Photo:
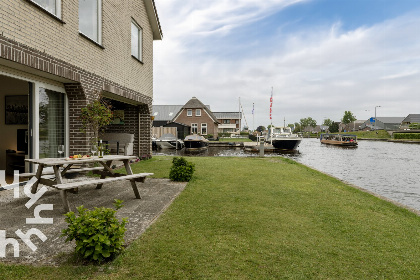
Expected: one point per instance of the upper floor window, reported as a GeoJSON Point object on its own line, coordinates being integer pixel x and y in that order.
{"type": "Point", "coordinates": [198, 112]}
{"type": "Point", "coordinates": [189, 112]}
{"type": "Point", "coordinates": [51, 6]}
{"type": "Point", "coordinates": [90, 19]}
{"type": "Point", "coordinates": [136, 41]}
{"type": "Point", "coordinates": [226, 121]}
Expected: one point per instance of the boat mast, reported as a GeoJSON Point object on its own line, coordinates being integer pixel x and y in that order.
{"type": "Point", "coordinates": [271, 119]}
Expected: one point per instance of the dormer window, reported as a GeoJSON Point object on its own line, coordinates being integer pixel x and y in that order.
{"type": "Point", "coordinates": [198, 112]}
{"type": "Point", "coordinates": [189, 112]}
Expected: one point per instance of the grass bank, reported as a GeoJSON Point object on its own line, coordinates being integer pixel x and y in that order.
{"type": "Point", "coordinates": [262, 218]}
{"type": "Point", "coordinates": [377, 134]}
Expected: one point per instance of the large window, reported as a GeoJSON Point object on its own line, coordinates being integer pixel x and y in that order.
{"type": "Point", "coordinates": [51, 122]}
{"type": "Point", "coordinates": [194, 128]}
{"type": "Point", "coordinates": [52, 6]}
{"type": "Point", "coordinates": [90, 19]}
{"type": "Point", "coordinates": [136, 41]}
{"type": "Point", "coordinates": [204, 129]}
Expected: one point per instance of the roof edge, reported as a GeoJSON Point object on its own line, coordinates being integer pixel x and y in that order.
{"type": "Point", "coordinates": [154, 19]}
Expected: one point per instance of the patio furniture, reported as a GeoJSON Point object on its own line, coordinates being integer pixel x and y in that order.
{"type": "Point", "coordinates": [119, 143]}
{"type": "Point", "coordinates": [62, 166]}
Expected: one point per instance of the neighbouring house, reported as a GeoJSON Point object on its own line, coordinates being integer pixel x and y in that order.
{"type": "Point", "coordinates": [197, 115]}
{"type": "Point", "coordinates": [411, 118]}
{"type": "Point", "coordinates": [386, 123]}
{"type": "Point", "coordinates": [57, 56]}
{"type": "Point", "coordinates": [352, 126]}
{"type": "Point", "coordinates": [229, 122]}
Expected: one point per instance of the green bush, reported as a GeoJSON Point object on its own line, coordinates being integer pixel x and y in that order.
{"type": "Point", "coordinates": [181, 170]}
{"type": "Point", "coordinates": [406, 135]}
{"type": "Point", "coordinates": [98, 233]}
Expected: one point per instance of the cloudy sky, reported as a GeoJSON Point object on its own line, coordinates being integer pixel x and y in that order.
{"type": "Point", "coordinates": [321, 57]}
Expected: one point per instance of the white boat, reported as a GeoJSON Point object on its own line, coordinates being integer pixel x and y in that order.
{"type": "Point", "coordinates": [195, 142]}
{"type": "Point", "coordinates": [282, 138]}
{"type": "Point", "coordinates": [169, 141]}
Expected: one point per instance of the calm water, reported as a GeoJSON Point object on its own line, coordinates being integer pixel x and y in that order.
{"type": "Point", "coordinates": [388, 169]}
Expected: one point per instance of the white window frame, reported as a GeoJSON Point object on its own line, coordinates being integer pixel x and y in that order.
{"type": "Point", "coordinates": [198, 112]}
{"type": "Point", "coordinates": [99, 24]}
{"type": "Point", "coordinates": [56, 13]}
{"type": "Point", "coordinates": [203, 125]}
{"type": "Point", "coordinates": [140, 40]}
{"type": "Point", "coordinates": [189, 112]}
{"type": "Point", "coordinates": [194, 128]}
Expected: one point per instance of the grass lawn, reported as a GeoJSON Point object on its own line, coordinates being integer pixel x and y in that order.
{"type": "Point", "coordinates": [262, 218]}
{"type": "Point", "coordinates": [377, 134]}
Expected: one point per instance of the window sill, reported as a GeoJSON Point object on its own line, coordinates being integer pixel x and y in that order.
{"type": "Point", "coordinates": [137, 59]}
{"type": "Point", "coordinates": [45, 11]}
{"type": "Point", "coordinates": [92, 41]}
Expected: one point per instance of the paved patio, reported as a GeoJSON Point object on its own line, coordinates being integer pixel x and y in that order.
{"type": "Point", "coordinates": [157, 195]}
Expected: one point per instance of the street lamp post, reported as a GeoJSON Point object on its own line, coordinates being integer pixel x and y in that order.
{"type": "Point", "coordinates": [375, 115]}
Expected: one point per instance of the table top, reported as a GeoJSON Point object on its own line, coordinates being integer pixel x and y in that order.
{"type": "Point", "coordinates": [61, 161]}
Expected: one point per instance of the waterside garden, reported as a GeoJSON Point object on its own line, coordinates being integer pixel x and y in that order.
{"type": "Point", "coordinates": [260, 218]}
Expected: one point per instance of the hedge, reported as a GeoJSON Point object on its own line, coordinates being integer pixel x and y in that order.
{"type": "Point", "coordinates": [406, 135]}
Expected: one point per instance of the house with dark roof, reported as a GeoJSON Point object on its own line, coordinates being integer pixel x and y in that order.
{"type": "Point", "coordinates": [197, 115]}
{"type": "Point", "coordinates": [229, 122]}
{"type": "Point", "coordinates": [411, 118]}
{"type": "Point", "coordinates": [386, 123]}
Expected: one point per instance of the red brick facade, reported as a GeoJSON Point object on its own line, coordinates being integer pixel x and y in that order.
{"type": "Point", "coordinates": [205, 118]}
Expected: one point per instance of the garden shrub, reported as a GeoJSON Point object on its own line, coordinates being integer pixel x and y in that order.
{"type": "Point", "coordinates": [181, 170]}
{"type": "Point", "coordinates": [98, 233]}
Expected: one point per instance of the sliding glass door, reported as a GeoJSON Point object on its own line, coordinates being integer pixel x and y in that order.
{"type": "Point", "coordinates": [52, 122]}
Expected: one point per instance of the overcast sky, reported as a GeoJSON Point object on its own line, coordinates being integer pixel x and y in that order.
{"type": "Point", "coordinates": [321, 57]}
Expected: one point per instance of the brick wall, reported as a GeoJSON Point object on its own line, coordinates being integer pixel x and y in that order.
{"type": "Point", "coordinates": [204, 118]}
{"type": "Point", "coordinates": [24, 23]}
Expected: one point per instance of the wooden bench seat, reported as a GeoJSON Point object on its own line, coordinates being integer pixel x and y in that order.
{"type": "Point", "coordinates": [71, 170]}
{"type": "Point", "coordinates": [73, 185]}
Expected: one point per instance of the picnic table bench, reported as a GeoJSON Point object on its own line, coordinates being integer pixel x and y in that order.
{"type": "Point", "coordinates": [63, 166]}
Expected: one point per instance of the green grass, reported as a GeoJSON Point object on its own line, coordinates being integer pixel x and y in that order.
{"type": "Point", "coordinates": [252, 218]}
{"type": "Point", "coordinates": [262, 218]}
{"type": "Point", "coordinates": [377, 134]}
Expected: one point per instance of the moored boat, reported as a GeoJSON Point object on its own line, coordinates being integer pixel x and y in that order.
{"type": "Point", "coordinates": [195, 142]}
{"type": "Point", "coordinates": [169, 141]}
{"type": "Point", "coordinates": [282, 138]}
{"type": "Point", "coordinates": [347, 140]}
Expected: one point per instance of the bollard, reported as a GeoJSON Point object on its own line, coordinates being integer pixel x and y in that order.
{"type": "Point", "coordinates": [261, 148]}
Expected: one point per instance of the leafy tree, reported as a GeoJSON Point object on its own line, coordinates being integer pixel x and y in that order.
{"type": "Point", "coordinates": [260, 128]}
{"type": "Point", "coordinates": [95, 117]}
{"type": "Point", "coordinates": [333, 128]}
{"type": "Point", "coordinates": [327, 122]}
{"type": "Point", "coordinates": [306, 122]}
{"type": "Point", "coordinates": [297, 128]}
{"type": "Point", "coordinates": [348, 117]}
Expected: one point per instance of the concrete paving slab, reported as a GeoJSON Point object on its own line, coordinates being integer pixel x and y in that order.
{"type": "Point", "coordinates": [157, 195]}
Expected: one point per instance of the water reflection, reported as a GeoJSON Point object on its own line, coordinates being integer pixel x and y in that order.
{"type": "Point", "coordinates": [389, 169]}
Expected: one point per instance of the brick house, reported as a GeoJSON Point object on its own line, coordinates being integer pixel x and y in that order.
{"type": "Point", "coordinates": [230, 122]}
{"type": "Point", "coordinates": [56, 57]}
{"type": "Point", "coordinates": [197, 115]}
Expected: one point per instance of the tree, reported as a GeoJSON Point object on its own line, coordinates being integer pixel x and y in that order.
{"type": "Point", "coordinates": [95, 117]}
{"type": "Point", "coordinates": [348, 117]}
{"type": "Point", "coordinates": [296, 128]}
{"type": "Point", "coordinates": [327, 122]}
{"type": "Point", "coordinates": [260, 128]}
{"type": "Point", "coordinates": [306, 122]}
{"type": "Point", "coordinates": [333, 128]}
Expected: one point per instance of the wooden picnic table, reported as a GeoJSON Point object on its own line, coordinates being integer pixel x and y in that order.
{"type": "Point", "coordinates": [62, 166]}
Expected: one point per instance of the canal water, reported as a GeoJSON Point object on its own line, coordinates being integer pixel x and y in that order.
{"type": "Point", "coordinates": [388, 169]}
